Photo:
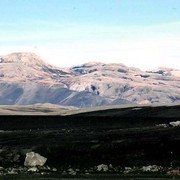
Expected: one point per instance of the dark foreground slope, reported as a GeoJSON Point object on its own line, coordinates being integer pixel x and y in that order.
{"type": "Point", "coordinates": [129, 136]}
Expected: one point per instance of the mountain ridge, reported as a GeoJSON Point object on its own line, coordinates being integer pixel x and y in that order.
{"type": "Point", "coordinates": [26, 79]}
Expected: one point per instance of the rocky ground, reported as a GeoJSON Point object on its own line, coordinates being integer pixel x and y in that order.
{"type": "Point", "coordinates": [84, 145]}
{"type": "Point", "coordinates": [35, 164]}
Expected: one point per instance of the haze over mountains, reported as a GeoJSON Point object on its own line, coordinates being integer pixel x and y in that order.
{"type": "Point", "coordinates": [26, 79]}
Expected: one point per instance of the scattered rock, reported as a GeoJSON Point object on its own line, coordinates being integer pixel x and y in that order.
{"type": "Point", "coordinates": [151, 168]}
{"type": "Point", "coordinates": [102, 167]}
{"type": "Point", "coordinates": [77, 170]}
{"type": "Point", "coordinates": [48, 167]}
{"type": "Point", "coordinates": [44, 168]}
{"type": "Point", "coordinates": [54, 169]}
{"type": "Point", "coordinates": [111, 166]}
{"type": "Point", "coordinates": [22, 169]}
{"type": "Point", "coordinates": [162, 125]}
{"type": "Point", "coordinates": [71, 172]}
{"type": "Point", "coordinates": [127, 170]}
{"type": "Point", "coordinates": [16, 158]}
{"type": "Point", "coordinates": [34, 159]}
{"type": "Point", "coordinates": [173, 172]}
{"type": "Point", "coordinates": [12, 172]}
{"type": "Point", "coordinates": [175, 123]}
{"type": "Point", "coordinates": [45, 173]}
{"type": "Point", "coordinates": [33, 169]}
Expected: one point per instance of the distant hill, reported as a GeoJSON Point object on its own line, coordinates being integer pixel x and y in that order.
{"type": "Point", "coordinates": [26, 79]}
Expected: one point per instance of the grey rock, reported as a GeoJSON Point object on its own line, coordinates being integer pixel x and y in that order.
{"type": "Point", "coordinates": [34, 159]}
{"type": "Point", "coordinates": [162, 125]}
{"type": "Point", "coordinates": [102, 167]}
{"type": "Point", "coordinates": [127, 170]}
{"type": "Point", "coordinates": [54, 169]}
{"type": "Point", "coordinates": [151, 168]}
{"type": "Point", "coordinates": [175, 124]}
{"type": "Point", "coordinates": [71, 172]}
{"type": "Point", "coordinates": [12, 171]}
{"type": "Point", "coordinates": [45, 173]}
{"type": "Point", "coordinates": [16, 158]}
{"type": "Point", "coordinates": [22, 169]}
{"type": "Point", "coordinates": [33, 169]}
{"type": "Point", "coordinates": [111, 166]}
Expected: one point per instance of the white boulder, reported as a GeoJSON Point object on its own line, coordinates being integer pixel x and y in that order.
{"type": "Point", "coordinates": [175, 123]}
{"type": "Point", "coordinates": [34, 159]}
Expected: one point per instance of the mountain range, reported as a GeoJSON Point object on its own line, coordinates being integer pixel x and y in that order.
{"type": "Point", "coordinates": [26, 79]}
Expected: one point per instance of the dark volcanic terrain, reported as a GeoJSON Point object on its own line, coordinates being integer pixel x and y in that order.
{"type": "Point", "coordinates": [127, 140]}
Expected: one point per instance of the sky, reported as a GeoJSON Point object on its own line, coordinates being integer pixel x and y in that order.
{"type": "Point", "coordinates": [138, 33]}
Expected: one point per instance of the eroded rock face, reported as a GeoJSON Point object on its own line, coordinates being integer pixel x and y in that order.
{"type": "Point", "coordinates": [34, 159]}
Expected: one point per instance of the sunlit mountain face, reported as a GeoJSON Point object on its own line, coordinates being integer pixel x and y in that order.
{"type": "Point", "coordinates": [26, 79]}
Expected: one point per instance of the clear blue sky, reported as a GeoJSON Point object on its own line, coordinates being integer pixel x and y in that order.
{"type": "Point", "coordinates": [68, 32]}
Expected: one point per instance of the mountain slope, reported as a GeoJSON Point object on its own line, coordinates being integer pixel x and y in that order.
{"type": "Point", "coordinates": [119, 81]}
{"type": "Point", "coordinates": [28, 67]}
{"type": "Point", "coordinates": [33, 93]}
{"type": "Point", "coordinates": [26, 79]}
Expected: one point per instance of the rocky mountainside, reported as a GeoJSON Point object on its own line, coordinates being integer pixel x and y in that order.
{"type": "Point", "coordinates": [119, 81]}
{"type": "Point", "coordinates": [26, 79]}
{"type": "Point", "coordinates": [28, 67]}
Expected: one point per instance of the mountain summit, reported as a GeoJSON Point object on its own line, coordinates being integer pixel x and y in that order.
{"type": "Point", "coordinates": [28, 67]}
{"type": "Point", "coordinates": [26, 79]}
{"type": "Point", "coordinates": [26, 58]}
